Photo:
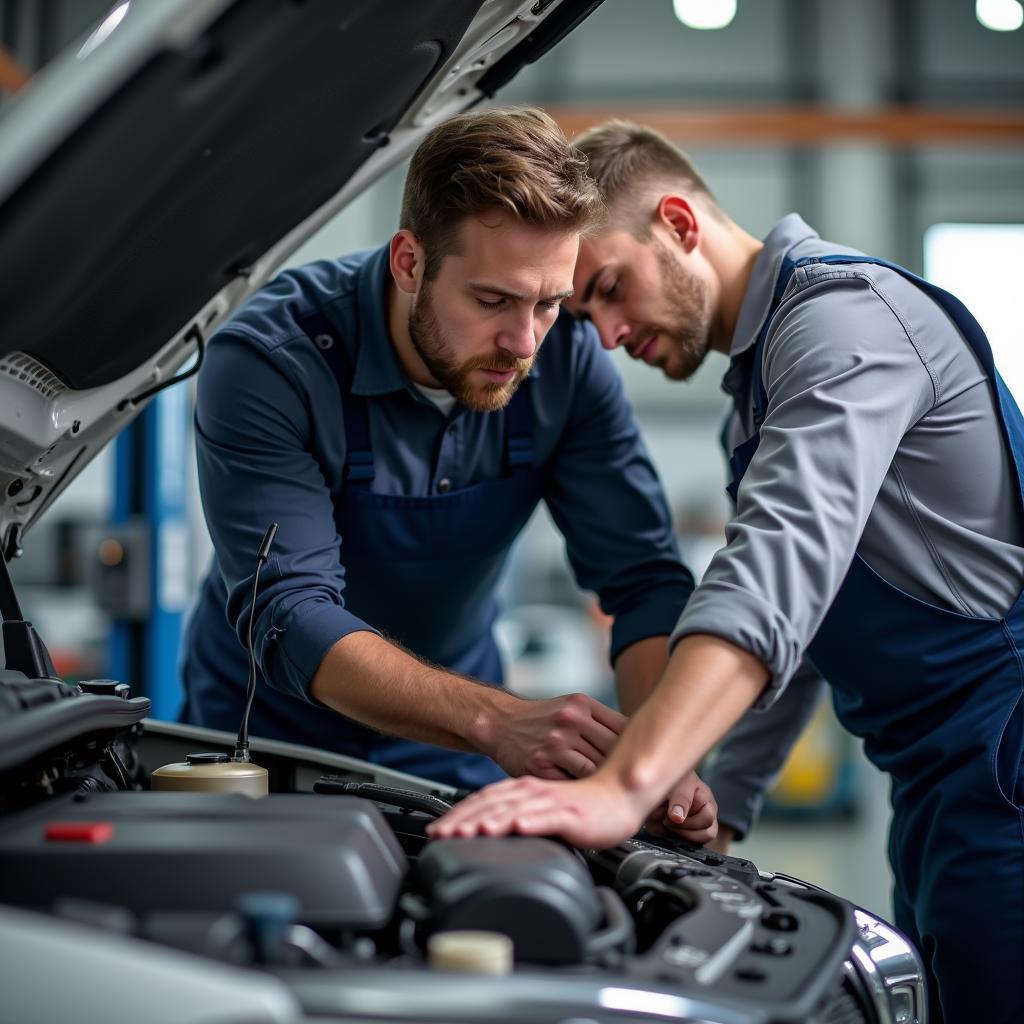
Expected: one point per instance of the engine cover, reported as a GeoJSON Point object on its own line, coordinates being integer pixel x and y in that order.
{"type": "Point", "coordinates": [199, 852]}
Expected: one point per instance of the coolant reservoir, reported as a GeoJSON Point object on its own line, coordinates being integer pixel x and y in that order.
{"type": "Point", "coordinates": [211, 773]}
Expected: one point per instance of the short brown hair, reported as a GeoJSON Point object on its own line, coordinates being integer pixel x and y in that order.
{"type": "Point", "coordinates": [630, 163]}
{"type": "Point", "coordinates": [506, 160]}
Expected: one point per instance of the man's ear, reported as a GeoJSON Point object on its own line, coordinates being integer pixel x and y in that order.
{"type": "Point", "coordinates": [407, 259]}
{"type": "Point", "coordinates": [679, 216]}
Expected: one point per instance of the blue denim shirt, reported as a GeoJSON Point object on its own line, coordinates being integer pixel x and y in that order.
{"type": "Point", "coordinates": [271, 446]}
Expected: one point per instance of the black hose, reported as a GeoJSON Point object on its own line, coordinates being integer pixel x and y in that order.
{"type": "Point", "coordinates": [390, 795]}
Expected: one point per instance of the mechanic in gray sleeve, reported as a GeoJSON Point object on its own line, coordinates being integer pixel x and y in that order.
{"type": "Point", "coordinates": [878, 527]}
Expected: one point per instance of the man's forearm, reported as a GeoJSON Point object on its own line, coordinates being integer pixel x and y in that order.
{"type": "Point", "coordinates": [365, 677]}
{"type": "Point", "coordinates": [638, 669]}
{"type": "Point", "coordinates": [707, 685]}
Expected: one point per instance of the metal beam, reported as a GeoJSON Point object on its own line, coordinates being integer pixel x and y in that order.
{"type": "Point", "coordinates": [807, 125]}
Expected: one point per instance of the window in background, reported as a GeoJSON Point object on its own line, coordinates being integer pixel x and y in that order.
{"type": "Point", "coordinates": [981, 264]}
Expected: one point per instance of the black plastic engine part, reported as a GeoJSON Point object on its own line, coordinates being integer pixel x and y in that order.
{"type": "Point", "coordinates": [38, 716]}
{"type": "Point", "coordinates": [533, 890]}
{"type": "Point", "coordinates": [200, 852]}
{"type": "Point", "coordinates": [783, 949]}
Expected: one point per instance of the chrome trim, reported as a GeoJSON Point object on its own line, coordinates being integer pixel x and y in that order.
{"type": "Point", "coordinates": [882, 959]}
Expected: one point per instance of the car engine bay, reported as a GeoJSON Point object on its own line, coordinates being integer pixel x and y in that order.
{"type": "Point", "coordinates": [319, 901]}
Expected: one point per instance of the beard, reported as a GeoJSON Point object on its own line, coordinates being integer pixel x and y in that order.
{"type": "Point", "coordinates": [687, 322]}
{"type": "Point", "coordinates": [437, 351]}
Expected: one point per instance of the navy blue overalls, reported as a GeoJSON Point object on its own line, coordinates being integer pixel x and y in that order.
{"type": "Point", "coordinates": [399, 554]}
{"type": "Point", "coordinates": [939, 699]}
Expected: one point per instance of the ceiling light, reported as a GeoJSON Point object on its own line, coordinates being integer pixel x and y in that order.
{"type": "Point", "coordinates": [1000, 15]}
{"type": "Point", "coordinates": [707, 14]}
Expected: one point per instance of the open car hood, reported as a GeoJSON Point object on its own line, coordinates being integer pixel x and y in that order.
{"type": "Point", "coordinates": [154, 177]}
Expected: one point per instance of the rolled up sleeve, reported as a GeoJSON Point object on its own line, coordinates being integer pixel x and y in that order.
{"type": "Point", "coordinates": [844, 383]}
{"type": "Point", "coordinates": [256, 466]}
{"type": "Point", "coordinates": [605, 497]}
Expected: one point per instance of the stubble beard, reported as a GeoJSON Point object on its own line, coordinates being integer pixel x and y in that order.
{"type": "Point", "coordinates": [688, 318]}
{"type": "Point", "coordinates": [438, 355]}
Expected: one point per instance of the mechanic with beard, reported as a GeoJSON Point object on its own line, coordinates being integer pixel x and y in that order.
{"type": "Point", "coordinates": [876, 464]}
{"type": "Point", "coordinates": [396, 413]}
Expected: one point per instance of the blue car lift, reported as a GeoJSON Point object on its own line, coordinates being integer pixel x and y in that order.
{"type": "Point", "coordinates": [150, 463]}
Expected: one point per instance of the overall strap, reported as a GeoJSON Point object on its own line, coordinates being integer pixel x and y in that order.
{"type": "Point", "coordinates": [519, 430]}
{"type": "Point", "coordinates": [958, 312]}
{"type": "Point", "coordinates": [974, 335]}
{"type": "Point", "coordinates": [748, 379]}
{"type": "Point", "coordinates": [359, 469]}
{"type": "Point", "coordinates": [757, 390]}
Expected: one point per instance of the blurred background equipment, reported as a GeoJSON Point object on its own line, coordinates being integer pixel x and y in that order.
{"type": "Point", "coordinates": [820, 775]}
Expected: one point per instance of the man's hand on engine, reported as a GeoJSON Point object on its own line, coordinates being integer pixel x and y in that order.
{"type": "Point", "coordinates": [593, 812]}
{"type": "Point", "coordinates": [690, 812]}
{"type": "Point", "coordinates": [565, 737]}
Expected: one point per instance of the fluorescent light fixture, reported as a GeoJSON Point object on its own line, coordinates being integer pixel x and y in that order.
{"type": "Point", "coordinates": [980, 264]}
{"type": "Point", "coordinates": [1000, 15]}
{"type": "Point", "coordinates": [710, 14]}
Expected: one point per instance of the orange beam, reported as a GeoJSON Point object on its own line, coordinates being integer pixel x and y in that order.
{"type": "Point", "coordinates": [807, 125]}
{"type": "Point", "coordinates": [12, 75]}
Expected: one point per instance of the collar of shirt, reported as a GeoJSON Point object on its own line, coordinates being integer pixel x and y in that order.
{"type": "Point", "coordinates": [789, 232]}
{"type": "Point", "coordinates": [377, 369]}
